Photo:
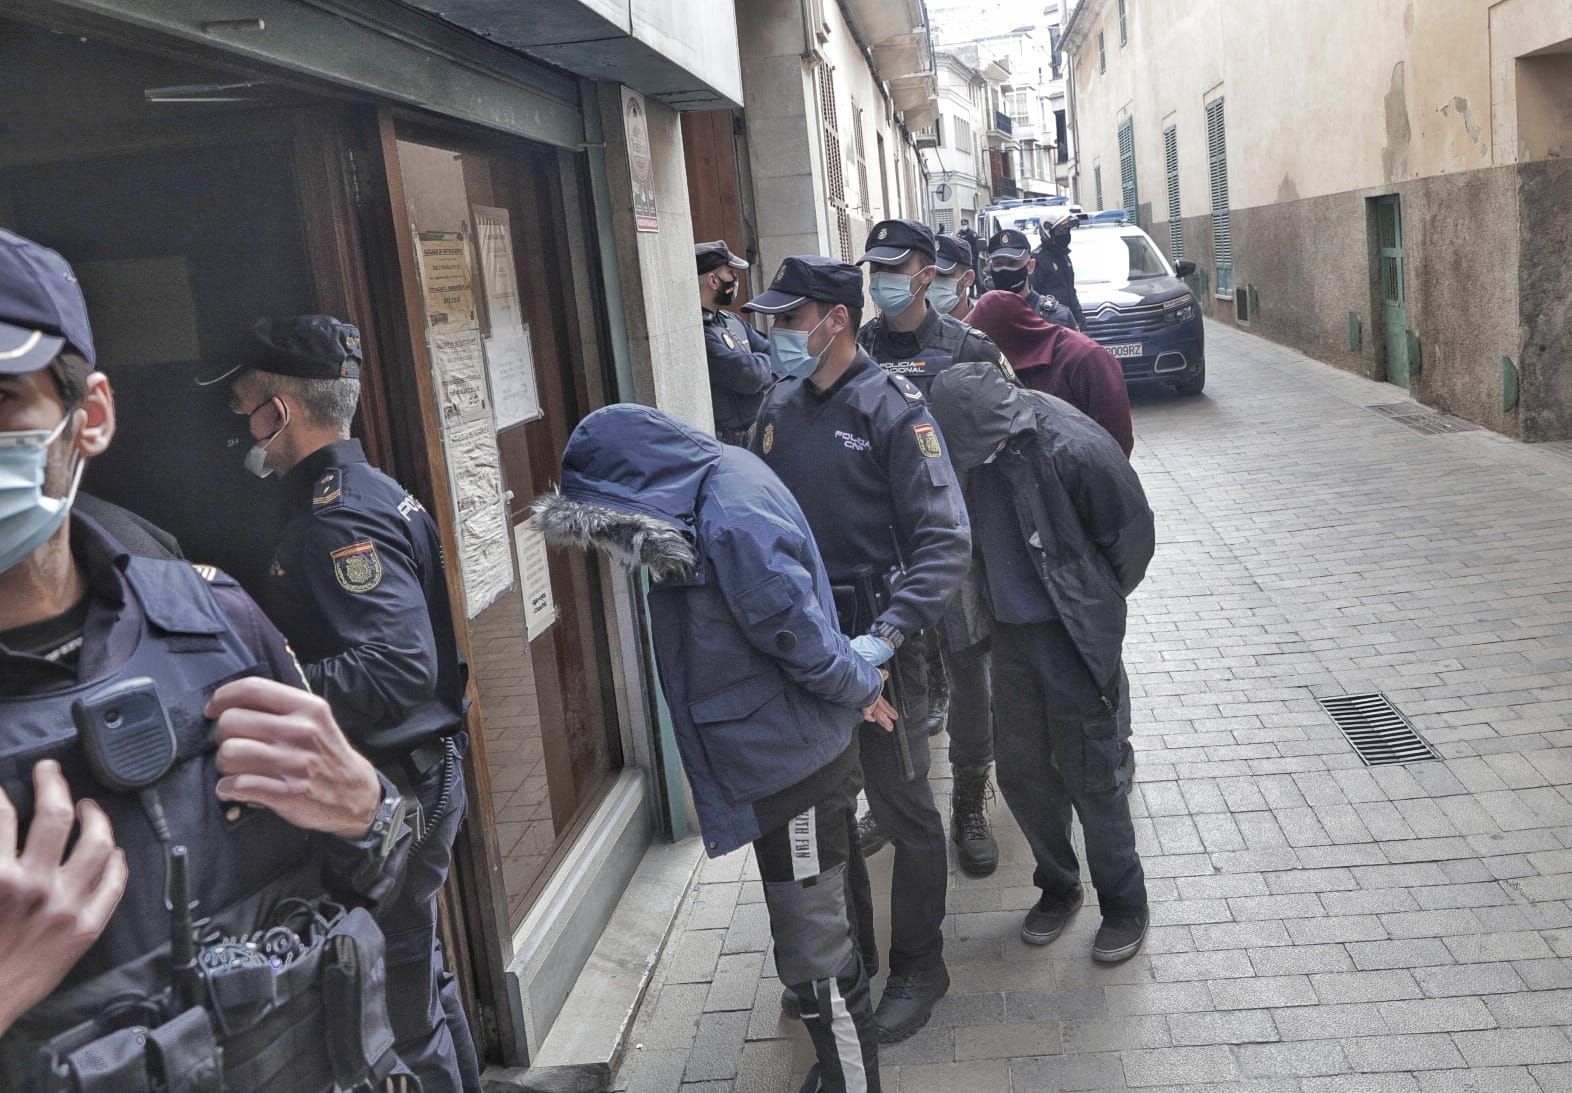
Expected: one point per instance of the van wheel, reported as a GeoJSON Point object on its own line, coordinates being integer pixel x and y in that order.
{"type": "Point", "coordinates": [1193, 386]}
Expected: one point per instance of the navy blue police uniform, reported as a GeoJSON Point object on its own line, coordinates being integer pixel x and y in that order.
{"type": "Point", "coordinates": [310, 1017]}
{"type": "Point", "coordinates": [357, 584]}
{"type": "Point", "coordinates": [739, 356]}
{"type": "Point", "coordinates": [1055, 277]}
{"type": "Point", "coordinates": [868, 466]}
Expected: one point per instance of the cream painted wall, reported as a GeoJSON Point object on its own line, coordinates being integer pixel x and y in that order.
{"type": "Point", "coordinates": [1321, 97]}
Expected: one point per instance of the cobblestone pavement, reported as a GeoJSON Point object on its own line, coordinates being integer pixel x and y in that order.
{"type": "Point", "coordinates": [1317, 925]}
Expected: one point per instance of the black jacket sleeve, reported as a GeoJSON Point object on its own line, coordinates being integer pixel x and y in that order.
{"type": "Point", "coordinates": [1107, 494]}
{"type": "Point", "coordinates": [930, 519]}
{"type": "Point", "coordinates": [740, 369]}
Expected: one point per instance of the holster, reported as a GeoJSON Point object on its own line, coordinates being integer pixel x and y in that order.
{"type": "Point", "coordinates": [318, 1024]}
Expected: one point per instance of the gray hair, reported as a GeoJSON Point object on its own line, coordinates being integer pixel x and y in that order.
{"type": "Point", "coordinates": [329, 404]}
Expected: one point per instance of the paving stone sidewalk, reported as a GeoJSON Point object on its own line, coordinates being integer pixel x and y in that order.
{"type": "Point", "coordinates": [1318, 925]}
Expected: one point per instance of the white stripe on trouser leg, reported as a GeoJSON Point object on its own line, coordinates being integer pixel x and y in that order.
{"type": "Point", "coordinates": [804, 834]}
{"type": "Point", "coordinates": [847, 1046]}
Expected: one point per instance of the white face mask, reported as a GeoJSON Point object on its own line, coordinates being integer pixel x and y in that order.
{"type": "Point", "coordinates": [27, 517]}
{"type": "Point", "coordinates": [256, 458]}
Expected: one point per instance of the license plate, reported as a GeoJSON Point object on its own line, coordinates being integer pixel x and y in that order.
{"type": "Point", "coordinates": [1129, 349]}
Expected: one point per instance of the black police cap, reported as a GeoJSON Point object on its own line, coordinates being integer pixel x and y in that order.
{"type": "Point", "coordinates": [311, 347]}
{"type": "Point", "coordinates": [715, 255]}
{"type": "Point", "coordinates": [809, 277]}
{"type": "Point", "coordinates": [954, 253]}
{"type": "Point", "coordinates": [891, 241]}
{"type": "Point", "coordinates": [1009, 243]}
{"type": "Point", "coordinates": [41, 307]}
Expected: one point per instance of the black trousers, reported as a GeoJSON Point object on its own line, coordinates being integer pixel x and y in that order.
{"type": "Point", "coordinates": [906, 813]}
{"type": "Point", "coordinates": [803, 865]}
{"type": "Point", "coordinates": [1060, 749]}
{"type": "Point", "coordinates": [429, 1028]}
{"type": "Point", "coordinates": [971, 708]}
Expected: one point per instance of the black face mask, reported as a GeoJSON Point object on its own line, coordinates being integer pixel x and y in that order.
{"type": "Point", "coordinates": [726, 293]}
{"type": "Point", "coordinates": [1010, 280]}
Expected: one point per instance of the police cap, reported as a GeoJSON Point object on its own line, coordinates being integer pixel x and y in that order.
{"type": "Point", "coordinates": [310, 347]}
{"type": "Point", "coordinates": [1008, 244]}
{"type": "Point", "coordinates": [953, 253]}
{"type": "Point", "coordinates": [715, 255]}
{"type": "Point", "coordinates": [809, 277]}
{"type": "Point", "coordinates": [41, 307]}
{"type": "Point", "coordinates": [891, 241]}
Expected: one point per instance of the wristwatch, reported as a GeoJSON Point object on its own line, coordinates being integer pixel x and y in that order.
{"type": "Point", "coordinates": [388, 823]}
{"type": "Point", "coordinates": [887, 634]}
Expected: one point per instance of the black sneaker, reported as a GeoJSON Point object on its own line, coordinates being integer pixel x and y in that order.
{"type": "Point", "coordinates": [1120, 936]}
{"type": "Point", "coordinates": [1047, 920]}
{"type": "Point", "coordinates": [869, 836]}
{"type": "Point", "coordinates": [908, 1002]}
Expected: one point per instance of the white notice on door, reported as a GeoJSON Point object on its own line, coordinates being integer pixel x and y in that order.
{"type": "Point", "coordinates": [540, 610]}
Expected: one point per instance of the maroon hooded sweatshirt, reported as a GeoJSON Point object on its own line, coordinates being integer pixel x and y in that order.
{"type": "Point", "coordinates": [1058, 361]}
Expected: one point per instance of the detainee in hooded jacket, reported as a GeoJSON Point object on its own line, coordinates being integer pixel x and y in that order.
{"type": "Point", "coordinates": [764, 689]}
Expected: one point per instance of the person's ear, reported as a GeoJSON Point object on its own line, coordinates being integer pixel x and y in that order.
{"type": "Point", "coordinates": [98, 417]}
{"type": "Point", "coordinates": [1031, 266]}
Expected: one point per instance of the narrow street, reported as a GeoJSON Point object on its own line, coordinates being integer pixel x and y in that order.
{"type": "Point", "coordinates": [1317, 924]}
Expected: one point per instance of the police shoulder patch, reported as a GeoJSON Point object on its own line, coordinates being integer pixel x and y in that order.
{"type": "Point", "coordinates": [928, 440]}
{"type": "Point", "coordinates": [329, 488]}
{"type": "Point", "coordinates": [908, 388]}
{"type": "Point", "coordinates": [357, 567]}
{"type": "Point", "coordinates": [207, 572]}
{"type": "Point", "coordinates": [768, 443]}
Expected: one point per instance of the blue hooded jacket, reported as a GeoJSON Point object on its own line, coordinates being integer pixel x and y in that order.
{"type": "Point", "coordinates": [764, 689]}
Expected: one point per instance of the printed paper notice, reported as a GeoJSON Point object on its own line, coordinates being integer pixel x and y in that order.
{"type": "Point", "coordinates": [444, 278]}
{"type": "Point", "coordinates": [475, 477]}
{"type": "Point", "coordinates": [641, 164]}
{"type": "Point", "coordinates": [510, 356]}
{"type": "Point", "coordinates": [540, 609]}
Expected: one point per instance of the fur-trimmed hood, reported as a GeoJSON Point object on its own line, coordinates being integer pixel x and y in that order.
{"type": "Point", "coordinates": [631, 481]}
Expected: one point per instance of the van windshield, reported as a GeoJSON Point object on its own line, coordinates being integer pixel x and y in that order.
{"type": "Point", "coordinates": [1107, 257]}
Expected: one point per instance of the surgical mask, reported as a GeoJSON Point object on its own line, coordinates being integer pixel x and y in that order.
{"type": "Point", "coordinates": [944, 294]}
{"type": "Point", "coordinates": [892, 292]}
{"type": "Point", "coordinates": [27, 517]}
{"type": "Point", "coordinates": [726, 293]}
{"type": "Point", "coordinates": [256, 458]}
{"type": "Point", "coordinates": [1009, 279]}
{"type": "Point", "coordinates": [789, 351]}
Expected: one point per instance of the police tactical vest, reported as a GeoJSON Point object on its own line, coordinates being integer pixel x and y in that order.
{"type": "Point", "coordinates": [116, 1023]}
{"type": "Point", "coordinates": [950, 341]}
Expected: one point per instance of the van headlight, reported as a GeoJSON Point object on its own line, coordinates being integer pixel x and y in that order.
{"type": "Point", "coordinates": [1181, 313]}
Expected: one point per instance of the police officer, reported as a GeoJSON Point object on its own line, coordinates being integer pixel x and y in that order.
{"type": "Point", "coordinates": [1053, 274]}
{"type": "Point", "coordinates": [912, 338]}
{"type": "Point", "coordinates": [738, 354]}
{"type": "Point", "coordinates": [974, 250]}
{"type": "Point", "coordinates": [248, 780]}
{"type": "Point", "coordinates": [1012, 266]}
{"type": "Point", "coordinates": [951, 290]}
{"type": "Point", "coordinates": [357, 585]}
{"type": "Point", "coordinates": [857, 448]}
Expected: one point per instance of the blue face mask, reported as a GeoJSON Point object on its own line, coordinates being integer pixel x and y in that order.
{"type": "Point", "coordinates": [27, 517]}
{"type": "Point", "coordinates": [892, 292]}
{"type": "Point", "coordinates": [789, 351]}
{"type": "Point", "coordinates": [944, 294]}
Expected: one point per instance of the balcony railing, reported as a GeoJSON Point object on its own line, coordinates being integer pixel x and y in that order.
{"type": "Point", "coordinates": [1002, 122]}
{"type": "Point", "coordinates": [1006, 187]}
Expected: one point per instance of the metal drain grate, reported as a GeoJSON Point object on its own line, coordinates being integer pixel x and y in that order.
{"type": "Point", "coordinates": [1422, 419]}
{"type": "Point", "coordinates": [1380, 734]}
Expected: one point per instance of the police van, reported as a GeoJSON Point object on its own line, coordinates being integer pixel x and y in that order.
{"type": "Point", "coordinates": [1022, 215]}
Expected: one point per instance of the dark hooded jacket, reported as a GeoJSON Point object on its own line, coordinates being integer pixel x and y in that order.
{"type": "Point", "coordinates": [1078, 502]}
{"type": "Point", "coordinates": [763, 688]}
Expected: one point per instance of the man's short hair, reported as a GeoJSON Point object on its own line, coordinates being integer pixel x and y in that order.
{"type": "Point", "coordinates": [329, 404]}
{"type": "Point", "coordinates": [70, 371]}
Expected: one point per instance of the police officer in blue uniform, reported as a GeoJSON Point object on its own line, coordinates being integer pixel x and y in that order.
{"type": "Point", "coordinates": [357, 585]}
{"type": "Point", "coordinates": [1014, 269]}
{"type": "Point", "coordinates": [910, 337]}
{"type": "Point", "coordinates": [738, 354]}
{"type": "Point", "coordinates": [858, 449]}
{"type": "Point", "coordinates": [158, 695]}
{"type": "Point", "coordinates": [1052, 273]}
{"type": "Point", "coordinates": [951, 290]}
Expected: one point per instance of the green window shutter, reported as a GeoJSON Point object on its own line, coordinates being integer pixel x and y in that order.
{"type": "Point", "coordinates": [1097, 185]}
{"type": "Point", "coordinates": [1128, 197]}
{"type": "Point", "coordinates": [1102, 53]}
{"type": "Point", "coordinates": [1222, 235]}
{"type": "Point", "coordinates": [1171, 165]}
{"type": "Point", "coordinates": [1124, 29]}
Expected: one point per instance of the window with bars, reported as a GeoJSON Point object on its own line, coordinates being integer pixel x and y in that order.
{"type": "Point", "coordinates": [1102, 53]}
{"type": "Point", "coordinates": [1222, 235]}
{"type": "Point", "coordinates": [1129, 198]}
{"type": "Point", "coordinates": [864, 197]}
{"type": "Point", "coordinates": [1171, 166]}
{"type": "Point", "coordinates": [1124, 28]}
{"type": "Point", "coordinates": [1097, 186]}
{"type": "Point", "coordinates": [834, 165]}
{"type": "Point", "coordinates": [944, 220]}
